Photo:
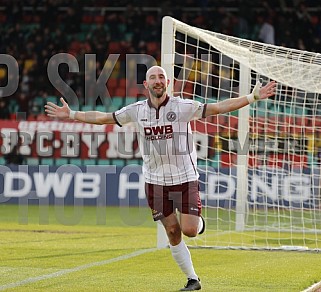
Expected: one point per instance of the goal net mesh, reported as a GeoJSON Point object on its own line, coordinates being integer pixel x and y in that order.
{"type": "Point", "coordinates": [278, 205]}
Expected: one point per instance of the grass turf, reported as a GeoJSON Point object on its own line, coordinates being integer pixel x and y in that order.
{"type": "Point", "coordinates": [37, 242]}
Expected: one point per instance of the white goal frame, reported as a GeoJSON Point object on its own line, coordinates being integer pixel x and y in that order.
{"type": "Point", "coordinates": [167, 61]}
{"type": "Point", "coordinates": [249, 55]}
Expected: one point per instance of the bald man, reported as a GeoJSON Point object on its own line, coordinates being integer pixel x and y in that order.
{"type": "Point", "coordinates": [169, 155]}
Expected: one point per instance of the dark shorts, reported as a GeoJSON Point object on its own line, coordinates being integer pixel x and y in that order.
{"type": "Point", "coordinates": [164, 200]}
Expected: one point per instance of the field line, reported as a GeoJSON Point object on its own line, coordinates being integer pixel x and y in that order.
{"type": "Point", "coordinates": [76, 269]}
{"type": "Point", "coordinates": [314, 288]}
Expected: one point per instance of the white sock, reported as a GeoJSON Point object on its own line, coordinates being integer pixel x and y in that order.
{"type": "Point", "coordinates": [200, 225]}
{"type": "Point", "coordinates": [183, 258]}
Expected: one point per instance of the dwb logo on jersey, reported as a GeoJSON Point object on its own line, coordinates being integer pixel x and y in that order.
{"type": "Point", "coordinates": [171, 116]}
{"type": "Point", "coordinates": [158, 132]}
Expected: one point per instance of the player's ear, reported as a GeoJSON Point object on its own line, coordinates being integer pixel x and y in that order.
{"type": "Point", "coordinates": [145, 84]}
{"type": "Point", "coordinates": [168, 81]}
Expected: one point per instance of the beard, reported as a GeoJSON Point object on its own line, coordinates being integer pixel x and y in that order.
{"type": "Point", "coordinates": [157, 93]}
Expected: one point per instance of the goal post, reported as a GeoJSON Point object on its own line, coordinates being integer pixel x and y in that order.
{"type": "Point", "coordinates": [259, 166]}
{"type": "Point", "coordinates": [241, 165]}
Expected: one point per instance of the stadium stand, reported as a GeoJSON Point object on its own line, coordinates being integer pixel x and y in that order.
{"type": "Point", "coordinates": [34, 33]}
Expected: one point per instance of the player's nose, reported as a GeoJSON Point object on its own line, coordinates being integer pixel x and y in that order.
{"type": "Point", "coordinates": [159, 81]}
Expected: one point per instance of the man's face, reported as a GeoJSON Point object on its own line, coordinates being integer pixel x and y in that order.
{"type": "Point", "coordinates": [156, 82]}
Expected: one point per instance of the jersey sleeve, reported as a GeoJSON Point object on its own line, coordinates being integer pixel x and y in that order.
{"type": "Point", "coordinates": [123, 116]}
{"type": "Point", "coordinates": [197, 110]}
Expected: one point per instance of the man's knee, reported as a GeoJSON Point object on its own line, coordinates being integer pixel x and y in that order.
{"type": "Point", "coordinates": [173, 230]}
{"type": "Point", "coordinates": [174, 233]}
{"type": "Point", "coordinates": [190, 231]}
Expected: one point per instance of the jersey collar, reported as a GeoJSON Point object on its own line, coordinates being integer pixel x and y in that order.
{"type": "Point", "coordinates": [162, 104]}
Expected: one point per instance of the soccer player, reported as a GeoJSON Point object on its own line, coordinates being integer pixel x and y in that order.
{"type": "Point", "coordinates": [169, 155]}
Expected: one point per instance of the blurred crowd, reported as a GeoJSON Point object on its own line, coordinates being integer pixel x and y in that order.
{"type": "Point", "coordinates": [33, 31]}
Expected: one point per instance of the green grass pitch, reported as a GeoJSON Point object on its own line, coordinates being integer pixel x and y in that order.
{"type": "Point", "coordinates": [113, 249]}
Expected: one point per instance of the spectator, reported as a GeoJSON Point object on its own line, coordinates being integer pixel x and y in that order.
{"type": "Point", "coordinates": [304, 28]}
{"type": "Point", "coordinates": [99, 40]}
{"type": "Point", "coordinates": [15, 157]}
{"type": "Point", "coordinates": [266, 32]}
{"type": "Point", "coordinates": [4, 109]}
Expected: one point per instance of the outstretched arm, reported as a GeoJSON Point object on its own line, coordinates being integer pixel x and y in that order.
{"type": "Point", "coordinates": [64, 112]}
{"type": "Point", "coordinates": [233, 104]}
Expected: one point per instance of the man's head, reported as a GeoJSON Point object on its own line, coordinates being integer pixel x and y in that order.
{"type": "Point", "coordinates": [156, 81]}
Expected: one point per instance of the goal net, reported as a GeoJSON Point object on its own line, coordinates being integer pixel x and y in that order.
{"type": "Point", "coordinates": [259, 166]}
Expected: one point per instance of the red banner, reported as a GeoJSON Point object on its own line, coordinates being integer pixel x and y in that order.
{"type": "Point", "coordinates": [56, 139]}
{"type": "Point", "coordinates": [68, 139]}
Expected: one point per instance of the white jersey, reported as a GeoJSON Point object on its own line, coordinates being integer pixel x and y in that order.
{"type": "Point", "coordinates": [165, 138]}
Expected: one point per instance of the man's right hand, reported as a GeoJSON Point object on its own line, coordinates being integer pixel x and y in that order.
{"type": "Point", "coordinates": [55, 111]}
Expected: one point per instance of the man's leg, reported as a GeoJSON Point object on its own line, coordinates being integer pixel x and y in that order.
{"type": "Point", "coordinates": [162, 209]}
{"type": "Point", "coordinates": [189, 224]}
{"type": "Point", "coordinates": [192, 225]}
{"type": "Point", "coordinates": [178, 247]}
{"type": "Point", "coordinates": [190, 207]}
